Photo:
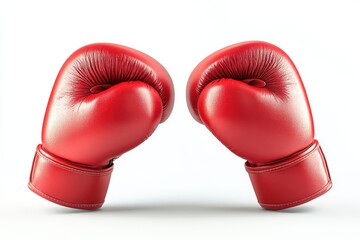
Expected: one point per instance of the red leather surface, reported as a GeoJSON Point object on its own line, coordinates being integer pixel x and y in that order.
{"type": "Point", "coordinates": [293, 181]}
{"type": "Point", "coordinates": [63, 183]}
{"type": "Point", "coordinates": [251, 97]}
{"type": "Point", "coordinates": [106, 100]}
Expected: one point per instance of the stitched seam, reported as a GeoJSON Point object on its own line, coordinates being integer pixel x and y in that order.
{"type": "Point", "coordinates": [108, 172]}
{"type": "Point", "coordinates": [32, 187]}
{"type": "Point", "coordinates": [286, 165]}
{"type": "Point", "coordinates": [324, 189]}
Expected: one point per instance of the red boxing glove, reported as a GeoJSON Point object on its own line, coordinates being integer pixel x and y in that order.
{"type": "Point", "coordinates": [251, 97]}
{"type": "Point", "coordinates": [106, 100]}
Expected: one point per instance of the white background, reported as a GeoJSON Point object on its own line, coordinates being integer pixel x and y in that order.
{"type": "Point", "coordinates": [181, 183]}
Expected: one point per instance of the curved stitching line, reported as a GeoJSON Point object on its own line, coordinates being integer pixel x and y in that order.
{"type": "Point", "coordinates": [324, 189]}
{"type": "Point", "coordinates": [286, 165]}
{"type": "Point", "coordinates": [32, 187]}
{"type": "Point", "coordinates": [107, 172]}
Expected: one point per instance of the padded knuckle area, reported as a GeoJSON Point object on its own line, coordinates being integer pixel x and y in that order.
{"type": "Point", "coordinates": [256, 66]}
{"type": "Point", "coordinates": [97, 70]}
{"type": "Point", "coordinates": [101, 68]}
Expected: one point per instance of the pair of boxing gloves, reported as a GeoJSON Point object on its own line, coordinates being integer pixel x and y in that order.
{"type": "Point", "coordinates": [107, 99]}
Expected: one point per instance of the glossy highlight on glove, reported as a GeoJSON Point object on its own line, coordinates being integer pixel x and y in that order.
{"type": "Point", "coordinates": [251, 97]}
{"type": "Point", "coordinates": [106, 100]}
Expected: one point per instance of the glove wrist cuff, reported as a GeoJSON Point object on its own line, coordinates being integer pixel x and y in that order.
{"type": "Point", "coordinates": [291, 182]}
{"type": "Point", "coordinates": [66, 184]}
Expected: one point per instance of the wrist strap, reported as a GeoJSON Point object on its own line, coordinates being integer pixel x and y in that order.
{"type": "Point", "coordinates": [62, 182]}
{"type": "Point", "coordinates": [291, 182]}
